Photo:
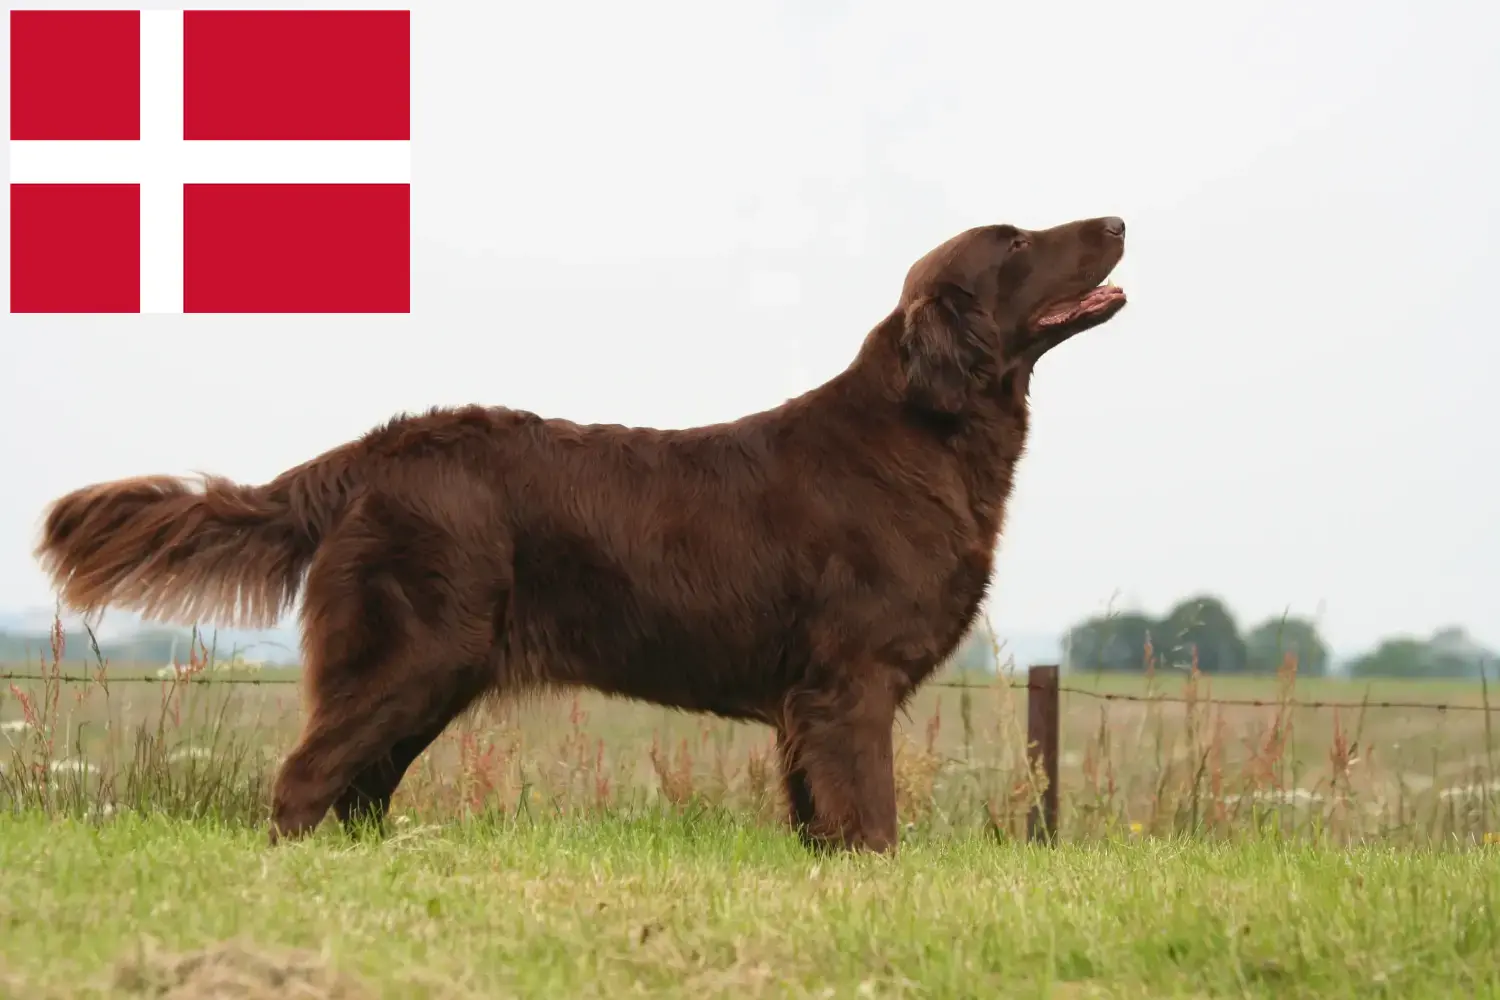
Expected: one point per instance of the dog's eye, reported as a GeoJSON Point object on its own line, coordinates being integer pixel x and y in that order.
{"type": "Point", "coordinates": [1020, 243]}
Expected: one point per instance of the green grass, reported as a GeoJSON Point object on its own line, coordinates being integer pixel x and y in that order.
{"type": "Point", "coordinates": [710, 905]}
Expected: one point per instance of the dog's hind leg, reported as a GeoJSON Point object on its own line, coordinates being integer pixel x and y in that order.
{"type": "Point", "coordinates": [367, 799]}
{"type": "Point", "coordinates": [397, 638]}
{"type": "Point", "coordinates": [358, 741]}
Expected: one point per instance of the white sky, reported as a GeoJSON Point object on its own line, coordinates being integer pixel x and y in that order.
{"type": "Point", "coordinates": [670, 214]}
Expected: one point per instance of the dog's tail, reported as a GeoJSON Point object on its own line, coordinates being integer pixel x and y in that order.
{"type": "Point", "coordinates": [210, 551]}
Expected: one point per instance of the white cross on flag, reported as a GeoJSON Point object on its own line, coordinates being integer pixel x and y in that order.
{"type": "Point", "coordinates": [244, 161]}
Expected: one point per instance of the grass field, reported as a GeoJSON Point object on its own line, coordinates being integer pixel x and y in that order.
{"type": "Point", "coordinates": [577, 846]}
{"type": "Point", "coordinates": [709, 905]}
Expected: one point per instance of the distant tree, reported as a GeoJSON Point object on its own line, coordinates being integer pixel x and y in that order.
{"type": "Point", "coordinates": [1401, 657]}
{"type": "Point", "coordinates": [145, 646]}
{"type": "Point", "coordinates": [1267, 645]}
{"type": "Point", "coordinates": [1450, 653]}
{"type": "Point", "coordinates": [1202, 624]}
{"type": "Point", "coordinates": [1110, 643]}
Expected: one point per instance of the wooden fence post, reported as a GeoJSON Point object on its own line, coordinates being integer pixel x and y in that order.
{"type": "Point", "coordinates": [1041, 748]}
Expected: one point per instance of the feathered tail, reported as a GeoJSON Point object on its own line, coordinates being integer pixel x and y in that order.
{"type": "Point", "coordinates": [177, 550]}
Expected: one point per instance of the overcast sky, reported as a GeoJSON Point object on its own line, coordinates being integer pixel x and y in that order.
{"type": "Point", "coordinates": [670, 214]}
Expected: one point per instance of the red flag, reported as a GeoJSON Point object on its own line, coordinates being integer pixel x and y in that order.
{"type": "Point", "coordinates": [210, 161]}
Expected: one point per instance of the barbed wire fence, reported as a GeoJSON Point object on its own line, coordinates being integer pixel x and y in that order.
{"type": "Point", "coordinates": [1043, 686]}
{"type": "Point", "coordinates": [216, 678]}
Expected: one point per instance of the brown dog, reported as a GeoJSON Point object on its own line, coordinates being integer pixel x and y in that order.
{"type": "Point", "coordinates": [807, 566]}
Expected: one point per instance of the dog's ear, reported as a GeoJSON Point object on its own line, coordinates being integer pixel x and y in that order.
{"type": "Point", "coordinates": [936, 353]}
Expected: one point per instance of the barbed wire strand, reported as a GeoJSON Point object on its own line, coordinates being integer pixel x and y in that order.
{"type": "Point", "coordinates": [112, 679]}
{"type": "Point", "coordinates": [1245, 702]}
{"type": "Point", "coordinates": [199, 678]}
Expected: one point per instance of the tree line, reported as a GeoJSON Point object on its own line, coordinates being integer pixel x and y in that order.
{"type": "Point", "coordinates": [150, 645]}
{"type": "Point", "coordinates": [1202, 629]}
{"type": "Point", "coordinates": [1200, 626]}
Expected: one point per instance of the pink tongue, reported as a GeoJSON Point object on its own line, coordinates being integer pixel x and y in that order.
{"type": "Point", "coordinates": [1059, 314]}
{"type": "Point", "coordinates": [1067, 311]}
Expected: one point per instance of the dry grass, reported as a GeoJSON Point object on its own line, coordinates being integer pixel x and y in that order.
{"type": "Point", "coordinates": [235, 970]}
{"type": "Point", "coordinates": [90, 740]}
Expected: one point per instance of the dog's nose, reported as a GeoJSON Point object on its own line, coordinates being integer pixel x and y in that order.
{"type": "Point", "coordinates": [1114, 226]}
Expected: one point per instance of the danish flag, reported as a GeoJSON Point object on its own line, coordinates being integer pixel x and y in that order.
{"type": "Point", "coordinates": [245, 161]}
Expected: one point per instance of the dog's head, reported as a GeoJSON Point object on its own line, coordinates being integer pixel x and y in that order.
{"type": "Point", "coordinates": [994, 299]}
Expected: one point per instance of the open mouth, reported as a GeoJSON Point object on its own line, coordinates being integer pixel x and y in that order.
{"type": "Point", "coordinates": [1097, 303]}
